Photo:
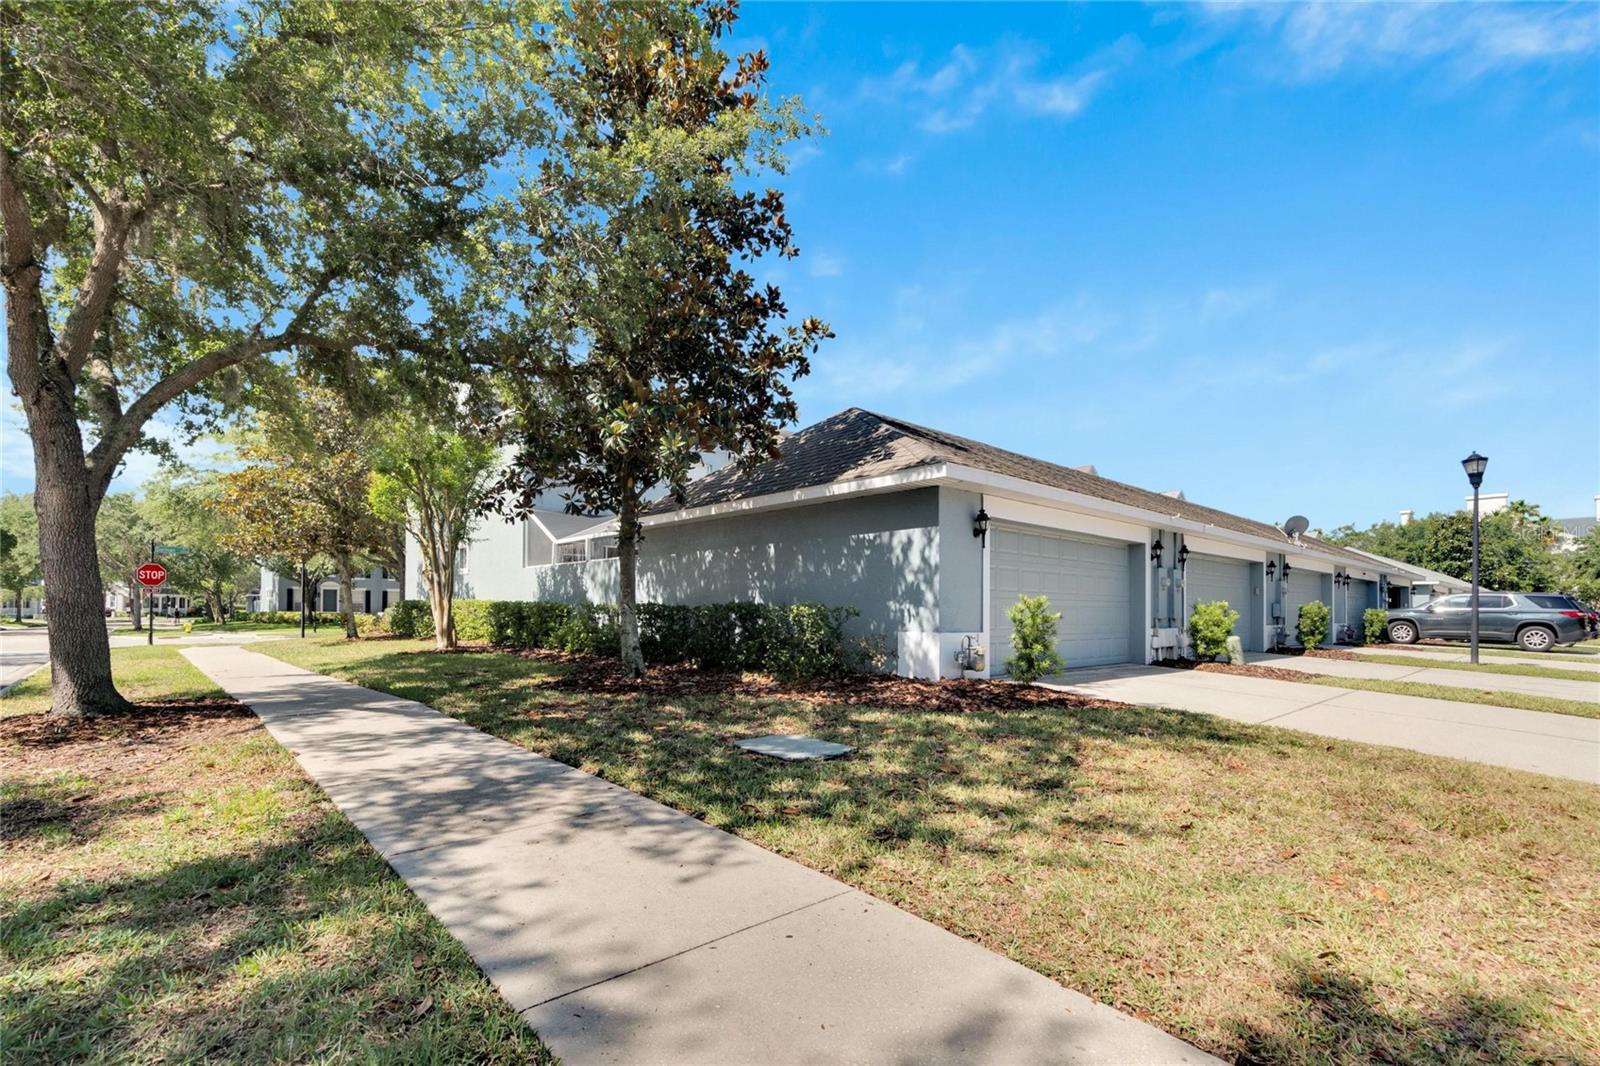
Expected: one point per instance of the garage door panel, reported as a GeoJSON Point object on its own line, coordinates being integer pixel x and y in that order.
{"type": "Point", "coordinates": [1211, 578]}
{"type": "Point", "coordinates": [1303, 586]}
{"type": "Point", "coordinates": [1086, 580]}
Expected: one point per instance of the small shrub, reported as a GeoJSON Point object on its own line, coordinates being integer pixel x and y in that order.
{"type": "Point", "coordinates": [1375, 625]}
{"type": "Point", "coordinates": [588, 629]}
{"type": "Point", "coordinates": [1209, 628]}
{"type": "Point", "coordinates": [472, 620]}
{"type": "Point", "coordinates": [1312, 629]}
{"type": "Point", "coordinates": [1033, 640]}
{"type": "Point", "coordinates": [804, 641]}
{"type": "Point", "coordinates": [410, 619]}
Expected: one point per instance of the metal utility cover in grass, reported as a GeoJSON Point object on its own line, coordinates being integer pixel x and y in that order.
{"type": "Point", "coordinates": [794, 749]}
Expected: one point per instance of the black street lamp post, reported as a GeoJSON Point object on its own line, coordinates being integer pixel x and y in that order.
{"type": "Point", "coordinates": [1474, 465]}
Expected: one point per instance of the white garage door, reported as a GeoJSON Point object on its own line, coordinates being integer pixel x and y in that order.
{"type": "Point", "coordinates": [1304, 586]}
{"type": "Point", "coordinates": [1086, 580]}
{"type": "Point", "coordinates": [1210, 578]}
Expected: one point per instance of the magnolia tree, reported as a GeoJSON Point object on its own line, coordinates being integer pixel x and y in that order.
{"type": "Point", "coordinates": [434, 481]}
{"type": "Point", "coordinates": [189, 190]}
{"type": "Point", "coordinates": [639, 339]}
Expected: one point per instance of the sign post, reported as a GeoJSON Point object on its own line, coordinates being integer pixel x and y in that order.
{"type": "Point", "coordinates": [151, 575]}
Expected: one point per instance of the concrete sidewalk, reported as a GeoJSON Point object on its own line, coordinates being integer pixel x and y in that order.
{"type": "Point", "coordinates": [1423, 653]}
{"type": "Point", "coordinates": [1560, 744]}
{"type": "Point", "coordinates": [1422, 673]}
{"type": "Point", "coordinates": [625, 932]}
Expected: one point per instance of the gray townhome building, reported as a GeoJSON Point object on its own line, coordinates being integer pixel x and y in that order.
{"type": "Point", "coordinates": [870, 512]}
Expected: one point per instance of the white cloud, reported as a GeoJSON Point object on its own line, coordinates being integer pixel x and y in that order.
{"type": "Point", "coordinates": [1320, 40]}
{"type": "Point", "coordinates": [973, 82]}
{"type": "Point", "coordinates": [825, 265]}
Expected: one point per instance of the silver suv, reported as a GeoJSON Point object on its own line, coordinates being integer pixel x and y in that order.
{"type": "Point", "coordinates": [1538, 621]}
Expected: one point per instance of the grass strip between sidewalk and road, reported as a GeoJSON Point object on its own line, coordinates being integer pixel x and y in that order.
{"type": "Point", "coordinates": [1587, 647]}
{"type": "Point", "coordinates": [174, 888]}
{"type": "Point", "coordinates": [1521, 701]}
{"type": "Point", "coordinates": [166, 632]}
{"type": "Point", "coordinates": [1513, 669]}
{"type": "Point", "coordinates": [1269, 895]}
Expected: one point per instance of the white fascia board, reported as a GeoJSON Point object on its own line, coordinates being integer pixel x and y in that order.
{"type": "Point", "coordinates": [988, 482]}
{"type": "Point", "coordinates": [1212, 546]}
{"type": "Point", "coordinates": [608, 528]}
{"type": "Point", "coordinates": [1005, 509]}
{"type": "Point", "coordinates": [903, 479]}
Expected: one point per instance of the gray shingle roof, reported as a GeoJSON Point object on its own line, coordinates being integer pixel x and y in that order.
{"type": "Point", "coordinates": [856, 444]}
{"type": "Point", "coordinates": [1576, 527]}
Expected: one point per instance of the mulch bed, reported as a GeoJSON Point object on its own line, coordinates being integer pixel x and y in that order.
{"type": "Point", "coordinates": [144, 733]}
{"type": "Point", "coordinates": [594, 675]}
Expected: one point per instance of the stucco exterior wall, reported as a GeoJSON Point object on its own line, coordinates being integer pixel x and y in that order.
{"type": "Point", "coordinates": [878, 554]}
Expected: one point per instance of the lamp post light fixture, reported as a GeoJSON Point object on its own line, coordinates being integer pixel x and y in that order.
{"type": "Point", "coordinates": [980, 525]}
{"type": "Point", "coordinates": [1475, 465]}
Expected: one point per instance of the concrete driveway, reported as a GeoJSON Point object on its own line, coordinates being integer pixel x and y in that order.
{"type": "Point", "coordinates": [1430, 675]}
{"type": "Point", "coordinates": [1558, 744]}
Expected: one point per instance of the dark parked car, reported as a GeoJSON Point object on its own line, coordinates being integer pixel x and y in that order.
{"type": "Point", "coordinates": [1538, 621]}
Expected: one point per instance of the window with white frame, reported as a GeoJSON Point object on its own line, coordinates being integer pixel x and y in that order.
{"type": "Point", "coordinates": [572, 553]}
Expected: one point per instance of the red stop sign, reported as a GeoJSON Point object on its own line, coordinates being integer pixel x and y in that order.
{"type": "Point", "coordinates": [152, 574]}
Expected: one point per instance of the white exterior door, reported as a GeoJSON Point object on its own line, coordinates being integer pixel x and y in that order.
{"type": "Point", "coordinates": [1210, 578]}
{"type": "Point", "coordinates": [1086, 580]}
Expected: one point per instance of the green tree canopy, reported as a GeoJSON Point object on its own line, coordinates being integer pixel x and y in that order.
{"type": "Point", "coordinates": [188, 190]}
{"type": "Point", "coordinates": [642, 338]}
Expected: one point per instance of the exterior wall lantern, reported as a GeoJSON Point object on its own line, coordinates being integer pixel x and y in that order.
{"type": "Point", "coordinates": [1155, 551]}
{"type": "Point", "coordinates": [1286, 569]}
{"type": "Point", "coordinates": [1183, 556]}
{"type": "Point", "coordinates": [1272, 569]}
{"type": "Point", "coordinates": [980, 525]}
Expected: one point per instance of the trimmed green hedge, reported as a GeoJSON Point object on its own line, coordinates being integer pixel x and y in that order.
{"type": "Point", "coordinates": [789, 641]}
{"type": "Point", "coordinates": [364, 622]}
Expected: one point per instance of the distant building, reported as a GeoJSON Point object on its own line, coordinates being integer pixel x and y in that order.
{"type": "Point", "coordinates": [374, 591]}
{"type": "Point", "coordinates": [1575, 529]}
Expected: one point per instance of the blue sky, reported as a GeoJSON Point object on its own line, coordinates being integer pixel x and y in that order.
{"type": "Point", "coordinates": [1287, 259]}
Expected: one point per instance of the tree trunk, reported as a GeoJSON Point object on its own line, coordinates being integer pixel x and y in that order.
{"type": "Point", "coordinates": [17, 603]}
{"type": "Point", "coordinates": [440, 573]}
{"type": "Point", "coordinates": [214, 602]}
{"type": "Point", "coordinates": [347, 596]}
{"type": "Point", "coordinates": [135, 601]}
{"type": "Point", "coordinates": [627, 587]}
{"type": "Point", "coordinates": [65, 500]}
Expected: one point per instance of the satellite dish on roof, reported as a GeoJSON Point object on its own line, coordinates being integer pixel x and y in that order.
{"type": "Point", "coordinates": [1296, 525]}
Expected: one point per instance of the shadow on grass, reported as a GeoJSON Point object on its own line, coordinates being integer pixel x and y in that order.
{"type": "Point", "coordinates": [288, 952]}
{"type": "Point", "coordinates": [989, 752]}
{"type": "Point", "coordinates": [1340, 1020]}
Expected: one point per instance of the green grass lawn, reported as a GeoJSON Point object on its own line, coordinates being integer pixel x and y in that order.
{"type": "Point", "coordinates": [1520, 700]}
{"type": "Point", "coordinates": [1269, 895]}
{"type": "Point", "coordinates": [1587, 647]}
{"type": "Point", "coordinates": [174, 889]}
{"type": "Point", "coordinates": [1516, 669]}
{"type": "Point", "coordinates": [26, 623]}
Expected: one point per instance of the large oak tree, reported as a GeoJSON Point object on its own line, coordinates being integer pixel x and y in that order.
{"type": "Point", "coordinates": [188, 189]}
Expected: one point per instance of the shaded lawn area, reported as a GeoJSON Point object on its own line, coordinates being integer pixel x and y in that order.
{"type": "Point", "coordinates": [1512, 668]}
{"type": "Point", "coordinates": [1266, 894]}
{"type": "Point", "coordinates": [172, 887]}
